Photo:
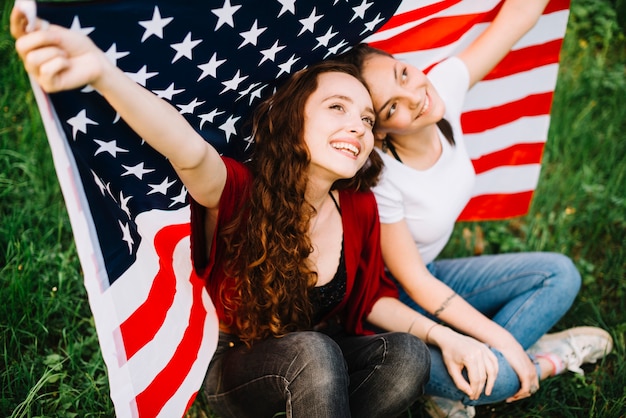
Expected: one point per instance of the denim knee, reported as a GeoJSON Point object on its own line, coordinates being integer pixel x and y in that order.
{"type": "Point", "coordinates": [564, 278]}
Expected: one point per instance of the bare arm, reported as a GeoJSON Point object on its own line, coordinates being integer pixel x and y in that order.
{"type": "Point", "coordinates": [459, 351]}
{"type": "Point", "coordinates": [515, 19]}
{"type": "Point", "coordinates": [404, 262]}
{"type": "Point", "coordinates": [60, 59]}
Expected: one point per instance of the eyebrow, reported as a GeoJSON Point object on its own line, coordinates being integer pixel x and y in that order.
{"type": "Point", "coordinates": [395, 77]}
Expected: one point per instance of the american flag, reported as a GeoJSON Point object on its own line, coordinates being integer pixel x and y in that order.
{"type": "Point", "coordinates": [214, 60]}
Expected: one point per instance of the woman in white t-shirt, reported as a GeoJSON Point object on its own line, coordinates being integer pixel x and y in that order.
{"type": "Point", "coordinates": [497, 306]}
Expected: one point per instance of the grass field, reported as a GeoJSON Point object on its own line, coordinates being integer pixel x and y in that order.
{"type": "Point", "coordinates": [52, 365]}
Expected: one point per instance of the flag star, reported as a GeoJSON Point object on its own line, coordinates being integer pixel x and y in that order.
{"type": "Point", "coordinates": [210, 68]}
{"type": "Point", "coordinates": [325, 39]}
{"type": "Point", "coordinates": [286, 66]}
{"type": "Point", "coordinates": [161, 188]}
{"type": "Point", "coordinates": [141, 76]}
{"type": "Point", "coordinates": [209, 117]}
{"type": "Point", "coordinates": [251, 36]}
{"type": "Point", "coordinates": [168, 93]}
{"type": "Point", "coordinates": [181, 198]}
{"type": "Point", "coordinates": [124, 203]}
{"type": "Point", "coordinates": [308, 24]}
{"type": "Point", "coordinates": [336, 48]}
{"type": "Point", "coordinates": [189, 107]}
{"type": "Point", "coordinates": [233, 83]}
{"type": "Point", "coordinates": [79, 123]}
{"type": "Point", "coordinates": [98, 182]}
{"type": "Point", "coordinates": [249, 140]}
{"type": "Point", "coordinates": [112, 54]}
{"type": "Point", "coordinates": [287, 5]}
{"type": "Point", "coordinates": [229, 127]}
{"type": "Point", "coordinates": [270, 54]}
{"type": "Point", "coordinates": [256, 94]}
{"type": "Point", "coordinates": [136, 170]}
{"type": "Point", "coordinates": [110, 147]}
{"type": "Point", "coordinates": [225, 15]}
{"type": "Point", "coordinates": [247, 91]}
{"type": "Point", "coordinates": [184, 48]}
{"type": "Point", "coordinates": [126, 236]}
{"type": "Point", "coordinates": [370, 26]}
{"type": "Point", "coordinates": [359, 11]}
{"type": "Point", "coordinates": [77, 28]}
{"type": "Point", "coordinates": [155, 25]}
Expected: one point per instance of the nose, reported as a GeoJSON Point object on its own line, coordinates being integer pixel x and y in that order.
{"type": "Point", "coordinates": [356, 125]}
{"type": "Point", "coordinates": [411, 98]}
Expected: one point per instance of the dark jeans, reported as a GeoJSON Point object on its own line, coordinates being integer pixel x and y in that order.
{"type": "Point", "coordinates": [311, 374]}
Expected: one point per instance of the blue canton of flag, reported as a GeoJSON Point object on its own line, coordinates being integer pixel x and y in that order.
{"type": "Point", "coordinates": [213, 61]}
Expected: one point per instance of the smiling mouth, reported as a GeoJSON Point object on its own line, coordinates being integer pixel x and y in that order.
{"type": "Point", "coordinates": [345, 146]}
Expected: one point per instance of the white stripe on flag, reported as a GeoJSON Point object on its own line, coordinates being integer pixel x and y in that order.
{"type": "Point", "coordinates": [507, 180]}
{"type": "Point", "coordinates": [521, 131]}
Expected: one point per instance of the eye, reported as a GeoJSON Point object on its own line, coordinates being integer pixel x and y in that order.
{"type": "Point", "coordinates": [369, 121]}
{"type": "Point", "coordinates": [404, 75]}
{"type": "Point", "coordinates": [392, 109]}
{"type": "Point", "coordinates": [337, 106]}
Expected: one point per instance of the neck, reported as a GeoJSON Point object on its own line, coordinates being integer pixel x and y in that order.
{"type": "Point", "coordinates": [419, 150]}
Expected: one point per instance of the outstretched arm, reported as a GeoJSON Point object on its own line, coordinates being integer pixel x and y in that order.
{"type": "Point", "coordinates": [60, 59]}
{"type": "Point", "coordinates": [515, 19]}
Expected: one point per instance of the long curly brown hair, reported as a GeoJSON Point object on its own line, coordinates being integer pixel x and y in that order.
{"type": "Point", "coordinates": [268, 243]}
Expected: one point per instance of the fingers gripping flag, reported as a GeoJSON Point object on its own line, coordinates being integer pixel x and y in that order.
{"type": "Point", "coordinates": [214, 60]}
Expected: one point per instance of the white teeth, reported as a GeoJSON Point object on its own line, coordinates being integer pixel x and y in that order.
{"type": "Point", "coordinates": [346, 146]}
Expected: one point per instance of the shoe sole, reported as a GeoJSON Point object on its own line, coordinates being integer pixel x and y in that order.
{"type": "Point", "coordinates": [576, 331]}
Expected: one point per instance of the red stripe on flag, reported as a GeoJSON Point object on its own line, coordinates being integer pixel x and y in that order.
{"type": "Point", "coordinates": [527, 59]}
{"type": "Point", "coordinates": [519, 154]}
{"type": "Point", "coordinates": [417, 14]}
{"type": "Point", "coordinates": [167, 382]}
{"type": "Point", "coordinates": [476, 121]}
{"type": "Point", "coordinates": [556, 6]}
{"type": "Point", "coordinates": [141, 327]}
{"type": "Point", "coordinates": [496, 206]}
{"type": "Point", "coordinates": [434, 33]}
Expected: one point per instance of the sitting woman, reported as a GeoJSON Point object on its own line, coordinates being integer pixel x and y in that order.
{"type": "Point", "coordinates": [501, 304]}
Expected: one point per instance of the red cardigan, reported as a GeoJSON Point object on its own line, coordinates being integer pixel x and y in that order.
{"type": "Point", "coordinates": [366, 279]}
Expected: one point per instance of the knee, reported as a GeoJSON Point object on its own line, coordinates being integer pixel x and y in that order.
{"type": "Point", "coordinates": [567, 275]}
{"type": "Point", "coordinates": [317, 359]}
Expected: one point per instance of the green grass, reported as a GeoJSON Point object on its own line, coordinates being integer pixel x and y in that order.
{"type": "Point", "coordinates": [51, 363]}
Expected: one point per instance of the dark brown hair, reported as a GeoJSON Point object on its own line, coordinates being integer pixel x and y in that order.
{"type": "Point", "coordinates": [269, 243]}
{"type": "Point", "coordinates": [357, 57]}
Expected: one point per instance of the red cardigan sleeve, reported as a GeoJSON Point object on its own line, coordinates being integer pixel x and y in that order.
{"type": "Point", "coordinates": [367, 280]}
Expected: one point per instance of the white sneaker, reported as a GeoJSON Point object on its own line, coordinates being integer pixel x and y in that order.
{"type": "Point", "coordinates": [438, 407]}
{"type": "Point", "coordinates": [575, 346]}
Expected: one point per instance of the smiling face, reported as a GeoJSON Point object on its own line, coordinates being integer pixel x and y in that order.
{"type": "Point", "coordinates": [404, 99]}
{"type": "Point", "coordinates": [338, 123]}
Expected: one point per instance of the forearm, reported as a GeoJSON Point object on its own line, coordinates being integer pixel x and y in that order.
{"type": "Point", "coordinates": [392, 315]}
{"type": "Point", "coordinates": [153, 119]}
{"type": "Point", "coordinates": [514, 20]}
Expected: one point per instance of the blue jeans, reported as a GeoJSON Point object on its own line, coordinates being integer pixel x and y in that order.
{"type": "Point", "coordinates": [312, 374]}
{"type": "Point", "coordinates": [526, 293]}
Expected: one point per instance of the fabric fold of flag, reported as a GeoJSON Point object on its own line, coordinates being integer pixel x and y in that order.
{"type": "Point", "coordinates": [214, 60]}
